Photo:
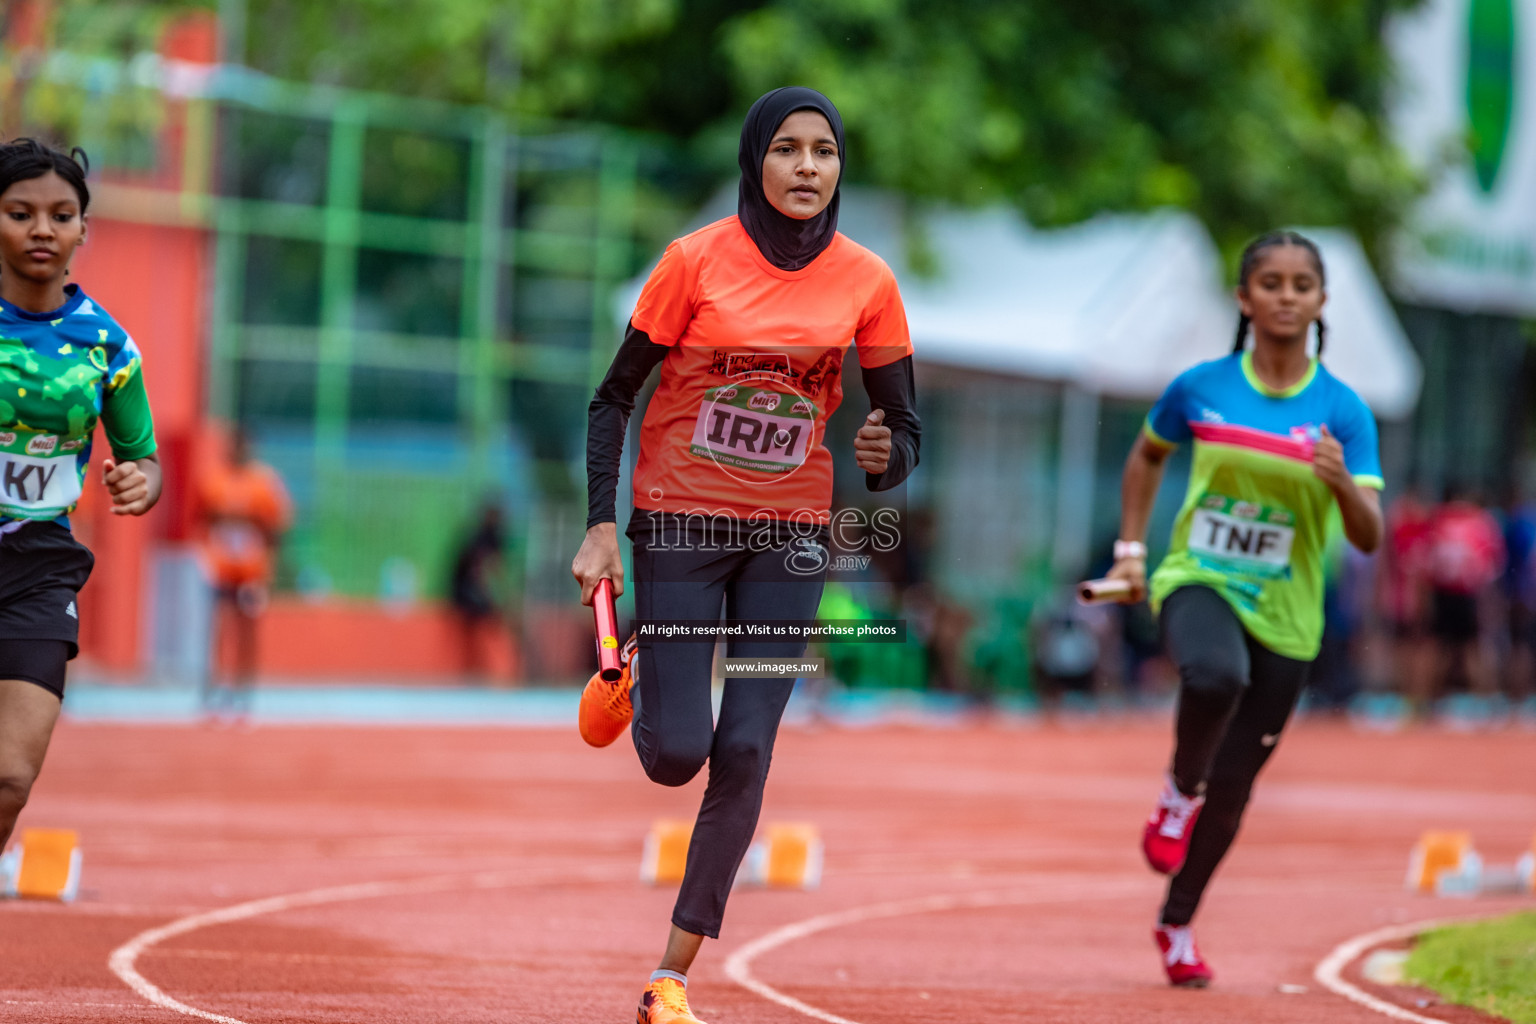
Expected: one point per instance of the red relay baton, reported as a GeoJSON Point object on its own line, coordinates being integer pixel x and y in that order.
{"type": "Point", "coordinates": [606, 624]}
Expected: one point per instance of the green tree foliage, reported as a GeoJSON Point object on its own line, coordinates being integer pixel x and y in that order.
{"type": "Point", "coordinates": [1251, 113]}
{"type": "Point", "coordinates": [1248, 112]}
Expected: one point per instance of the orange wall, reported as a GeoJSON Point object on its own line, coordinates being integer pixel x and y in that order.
{"type": "Point", "coordinates": [152, 280]}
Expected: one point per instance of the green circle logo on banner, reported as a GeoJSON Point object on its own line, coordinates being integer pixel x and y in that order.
{"type": "Point", "coordinates": [1490, 84]}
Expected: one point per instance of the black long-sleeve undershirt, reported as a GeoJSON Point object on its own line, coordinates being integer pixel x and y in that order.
{"type": "Point", "coordinates": [890, 387]}
{"type": "Point", "coordinates": [608, 419]}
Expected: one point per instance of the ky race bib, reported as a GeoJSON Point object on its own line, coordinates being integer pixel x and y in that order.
{"type": "Point", "coordinates": [1243, 535]}
{"type": "Point", "coordinates": [40, 481]}
{"type": "Point", "coordinates": [752, 428]}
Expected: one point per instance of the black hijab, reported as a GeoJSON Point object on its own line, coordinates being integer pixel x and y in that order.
{"type": "Point", "coordinates": [787, 243]}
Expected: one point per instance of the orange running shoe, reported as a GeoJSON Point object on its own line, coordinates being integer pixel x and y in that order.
{"type": "Point", "coordinates": [665, 1001]}
{"type": "Point", "coordinates": [605, 707]}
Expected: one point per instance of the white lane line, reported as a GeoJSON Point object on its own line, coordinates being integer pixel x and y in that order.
{"type": "Point", "coordinates": [738, 967]}
{"type": "Point", "coordinates": [122, 962]}
{"type": "Point", "coordinates": [1330, 971]}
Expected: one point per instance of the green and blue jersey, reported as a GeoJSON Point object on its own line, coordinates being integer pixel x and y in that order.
{"type": "Point", "coordinates": [61, 372]}
{"type": "Point", "coordinates": [1254, 523]}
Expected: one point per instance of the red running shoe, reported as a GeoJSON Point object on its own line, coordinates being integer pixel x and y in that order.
{"type": "Point", "coordinates": [1165, 840]}
{"type": "Point", "coordinates": [605, 707]}
{"type": "Point", "coordinates": [1181, 958]}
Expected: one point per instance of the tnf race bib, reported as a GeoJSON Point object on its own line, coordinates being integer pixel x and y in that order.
{"type": "Point", "coordinates": [1243, 536]}
{"type": "Point", "coordinates": [754, 428]}
{"type": "Point", "coordinates": [40, 480]}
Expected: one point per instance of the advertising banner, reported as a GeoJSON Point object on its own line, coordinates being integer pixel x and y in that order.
{"type": "Point", "coordinates": [1465, 110]}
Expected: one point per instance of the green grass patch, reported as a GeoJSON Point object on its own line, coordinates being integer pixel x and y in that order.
{"type": "Point", "coordinates": [1489, 965]}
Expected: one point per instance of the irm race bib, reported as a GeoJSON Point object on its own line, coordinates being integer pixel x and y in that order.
{"type": "Point", "coordinates": [754, 428]}
{"type": "Point", "coordinates": [1252, 538]}
{"type": "Point", "coordinates": [40, 480]}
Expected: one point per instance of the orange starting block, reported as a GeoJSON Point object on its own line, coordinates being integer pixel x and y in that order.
{"type": "Point", "coordinates": [789, 856]}
{"type": "Point", "coordinates": [666, 852]}
{"type": "Point", "coordinates": [786, 856]}
{"type": "Point", "coordinates": [1440, 852]}
{"type": "Point", "coordinates": [44, 865]}
{"type": "Point", "coordinates": [1446, 864]}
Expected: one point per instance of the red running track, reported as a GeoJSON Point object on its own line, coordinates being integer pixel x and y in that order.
{"type": "Point", "coordinates": [493, 874]}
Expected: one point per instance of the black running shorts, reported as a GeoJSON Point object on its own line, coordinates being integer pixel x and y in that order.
{"type": "Point", "coordinates": [42, 568]}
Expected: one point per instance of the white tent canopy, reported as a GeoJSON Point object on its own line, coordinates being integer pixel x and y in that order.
{"type": "Point", "coordinates": [1118, 306]}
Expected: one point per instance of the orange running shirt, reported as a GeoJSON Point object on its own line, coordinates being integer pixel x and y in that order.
{"type": "Point", "coordinates": [736, 424]}
{"type": "Point", "coordinates": [245, 507]}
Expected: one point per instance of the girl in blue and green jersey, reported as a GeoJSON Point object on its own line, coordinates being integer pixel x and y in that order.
{"type": "Point", "coordinates": [1279, 445]}
{"type": "Point", "coordinates": [65, 364]}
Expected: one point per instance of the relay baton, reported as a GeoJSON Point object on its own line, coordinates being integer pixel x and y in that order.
{"type": "Point", "coordinates": [1102, 591]}
{"type": "Point", "coordinates": [606, 624]}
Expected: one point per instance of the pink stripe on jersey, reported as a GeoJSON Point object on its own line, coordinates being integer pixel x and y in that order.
{"type": "Point", "coordinates": [1298, 446]}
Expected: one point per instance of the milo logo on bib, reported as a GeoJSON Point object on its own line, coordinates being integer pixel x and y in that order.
{"type": "Point", "coordinates": [757, 429]}
{"type": "Point", "coordinates": [39, 477]}
{"type": "Point", "coordinates": [1242, 536]}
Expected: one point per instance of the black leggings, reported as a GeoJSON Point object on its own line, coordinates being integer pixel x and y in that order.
{"type": "Point", "coordinates": [1235, 696]}
{"type": "Point", "coordinates": [673, 728]}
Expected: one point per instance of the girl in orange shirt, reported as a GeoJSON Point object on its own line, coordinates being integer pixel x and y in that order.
{"type": "Point", "coordinates": [246, 509]}
{"type": "Point", "coordinates": [749, 319]}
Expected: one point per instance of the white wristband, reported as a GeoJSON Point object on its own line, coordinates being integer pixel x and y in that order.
{"type": "Point", "coordinates": [1130, 549]}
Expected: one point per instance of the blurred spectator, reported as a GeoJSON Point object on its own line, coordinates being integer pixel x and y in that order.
{"type": "Point", "coordinates": [1519, 587]}
{"type": "Point", "coordinates": [1147, 672]}
{"type": "Point", "coordinates": [1465, 557]}
{"type": "Point", "coordinates": [244, 509]}
{"type": "Point", "coordinates": [1069, 641]}
{"type": "Point", "coordinates": [1404, 592]}
{"type": "Point", "coordinates": [477, 576]}
{"type": "Point", "coordinates": [945, 628]}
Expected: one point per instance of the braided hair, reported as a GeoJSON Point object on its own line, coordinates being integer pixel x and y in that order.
{"type": "Point", "coordinates": [1257, 248]}
{"type": "Point", "coordinates": [25, 159]}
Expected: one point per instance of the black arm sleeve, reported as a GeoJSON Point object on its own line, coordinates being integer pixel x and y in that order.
{"type": "Point", "coordinates": [890, 387]}
{"type": "Point", "coordinates": [608, 418]}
